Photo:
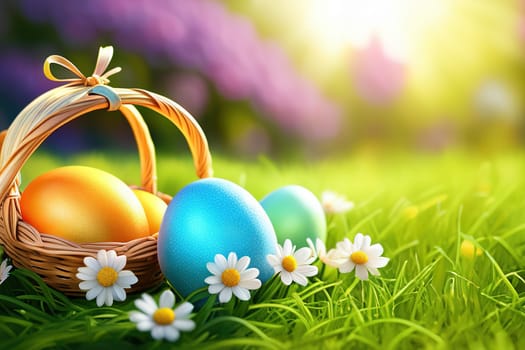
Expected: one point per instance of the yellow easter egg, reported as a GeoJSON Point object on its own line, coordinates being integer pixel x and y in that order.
{"type": "Point", "coordinates": [83, 204]}
{"type": "Point", "coordinates": [154, 207]}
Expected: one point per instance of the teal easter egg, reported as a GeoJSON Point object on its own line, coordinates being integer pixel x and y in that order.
{"type": "Point", "coordinates": [208, 217]}
{"type": "Point", "coordinates": [296, 213]}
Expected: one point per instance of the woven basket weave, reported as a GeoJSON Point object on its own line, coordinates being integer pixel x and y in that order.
{"type": "Point", "coordinates": [55, 259]}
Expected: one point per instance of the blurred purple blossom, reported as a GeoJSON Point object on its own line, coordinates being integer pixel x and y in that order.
{"type": "Point", "coordinates": [203, 36]}
{"type": "Point", "coordinates": [379, 79]}
{"type": "Point", "coordinates": [20, 72]}
{"type": "Point", "coordinates": [190, 91]}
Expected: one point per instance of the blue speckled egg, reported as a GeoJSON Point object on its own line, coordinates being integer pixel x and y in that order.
{"type": "Point", "coordinates": [207, 217]}
{"type": "Point", "coordinates": [296, 213]}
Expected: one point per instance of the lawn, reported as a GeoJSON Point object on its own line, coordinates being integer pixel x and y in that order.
{"type": "Point", "coordinates": [421, 207]}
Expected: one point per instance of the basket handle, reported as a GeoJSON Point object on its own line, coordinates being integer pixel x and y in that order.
{"type": "Point", "coordinates": [2, 137]}
{"type": "Point", "coordinates": [61, 105]}
{"type": "Point", "coordinates": [145, 147]}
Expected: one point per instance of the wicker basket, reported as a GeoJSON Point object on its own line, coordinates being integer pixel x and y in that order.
{"type": "Point", "coordinates": [55, 259]}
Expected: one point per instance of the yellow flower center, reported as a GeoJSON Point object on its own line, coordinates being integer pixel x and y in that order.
{"type": "Point", "coordinates": [107, 276]}
{"type": "Point", "coordinates": [411, 212]}
{"type": "Point", "coordinates": [230, 277]}
{"type": "Point", "coordinates": [359, 257]}
{"type": "Point", "coordinates": [164, 316]}
{"type": "Point", "coordinates": [289, 263]}
{"type": "Point", "coordinates": [469, 250]}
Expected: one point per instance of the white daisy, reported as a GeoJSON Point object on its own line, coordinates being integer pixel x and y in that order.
{"type": "Point", "coordinates": [360, 255]}
{"type": "Point", "coordinates": [294, 266]}
{"type": "Point", "coordinates": [4, 271]}
{"type": "Point", "coordinates": [231, 276]}
{"type": "Point", "coordinates": [104, 279]}
{"type": "Point", "coordinates": [163, 321]}
{"type": "Point", "coordinates": [334, 203]}
{"type": "Point", "coordinates": [319, 252]}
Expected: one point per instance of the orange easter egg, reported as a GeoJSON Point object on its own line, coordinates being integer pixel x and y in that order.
{"type": "Point", "coordinates": [154, 207]}
{"type": "Point", "coordinates": [83, 204]}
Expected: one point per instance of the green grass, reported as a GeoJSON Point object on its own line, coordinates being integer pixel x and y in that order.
{"type": "Point", "coordinates": [419, 207]}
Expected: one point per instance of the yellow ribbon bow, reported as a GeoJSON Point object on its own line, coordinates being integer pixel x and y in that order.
{"type": "Point", "coordinates": [98, 77]}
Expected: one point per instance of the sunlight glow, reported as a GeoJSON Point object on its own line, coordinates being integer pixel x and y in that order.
{"type": "Point", "coordinates": [399, 24]}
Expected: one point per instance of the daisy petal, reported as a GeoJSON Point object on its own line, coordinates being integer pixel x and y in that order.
{"type": "Point", "coordinates": [320, 246]}
{"type": "Point", "coordinates": [307, 270]}
{"type": "Point", "coordinates": [346, 267]}
{"type": "Point", "coordinates": [249, 274]}
{"type": "Point", "coordinates": [232, 260]}
{"type": "Point", "coordinates": [87, 271]}
{"type": "Point", "coordinates": [221, 262]}
{"type": "Point", "coordinates": [94, 292]}
{"type": "Point", "coordinates": [109, 296]}
{"type": "Point", "coordinates": [345, 247]}
{"type": "Point", "coordinates": [361, 272]}
{"type": "Point", "coordinates": [145, 325]}
{"type": "Point", "coordinates": [171, 333]}
{"type": "Point", "coordinates": [333, 258]}
{"type": "Point", "coordinates": [86, 285]}
{"type": "Point", "coordinates": [241, 293]}
{"type": "Point", "coordinates": [183, 310]}
{"type": "Point", "coordinates": [167, 299]}
{"type": "Point", "coordinates": [101, 297]}
{"type": "Point", "coordinates": [215, 288]}
{"type": "Point", "coordinates": [137, 316]}
{"type": "Point", "coordinates": [243, 263]}
{"type": "Point", "coordinates": [213, 280]}
{"type": "Point", "coordinates": [146, 304]}
{"type": "Point", "coordinates": [86, 277]}
{"type": "Point", "coordinates": [331, 262]}
{"type": "Point", "coordinates": [288, 249]}
{"type": "Point", "coordinates": [102, 257]}
{"type": "Point", "coordinates": [274, 261]}
{"type": "Point", "coordinates": [366, 242]}
{"type": "Point", "coordinates": [118, 293]}
{"type": "Point", "coordinates": [303, 255]}
{"type": "Point", "coordinates": [225, 295]}
{"type": "Point", "coordinates": [92, 263]}
{"type": "Point", "coordinates": [213, 268]}
{"type": "Point", "coordinates": [375, 250]}
{"type": "Point", "coordinates": [119, 262]}
{"type": "Point", "coordinates": [380, 261]}
{"type": "Point", "coordinates": [184, 325]}
{"type": "Point", "coordinates": [157, 333]}
{"type": "Point", "coordinates": [250, 284]}
{"type": "Point", "coordinates": [286, 277]}
{"type": "Point", "coordinates": [111, 256]}
{"type": "Point", "coordinates": [336, 254]}
{"type": "Point", "coordinates": [312, 247]}
{"type": "Point", "coordinates": [299, 279]}
{"type": "Point", "coordinates": [126, 278]}
{"type": "Point", "coordinates": [358, 241]}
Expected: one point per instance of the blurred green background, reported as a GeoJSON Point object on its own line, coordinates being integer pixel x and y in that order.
{"type": "Point", "coordinates": [306, 78]}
